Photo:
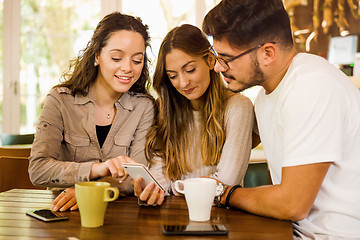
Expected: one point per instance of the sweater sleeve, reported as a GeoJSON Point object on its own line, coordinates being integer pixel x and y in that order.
{"type": "Point", "coordinates": [237, 147]}
{"type": "Point", "coordinates": [156, 169]}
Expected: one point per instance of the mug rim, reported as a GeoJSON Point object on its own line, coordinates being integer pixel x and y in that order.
{"type": "Point", "coordinates": [92, 184]}
{"type": "Point", "coordinates": [199, 179]}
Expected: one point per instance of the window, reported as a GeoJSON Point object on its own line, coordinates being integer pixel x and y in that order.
{"type": "Point", "coordinates": [52, 33]}
{"type": "Point", "coordinates": [1, 61]}
{"type": "Point", "coordinates": [161, 16]}
{"type": "Point", "coordinates": [210, 4]}
{"type": "Point", "coordinates": [167, 14]}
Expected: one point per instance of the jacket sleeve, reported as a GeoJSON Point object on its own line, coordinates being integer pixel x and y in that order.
{"type": "Point", "coordinates": [45, 167]}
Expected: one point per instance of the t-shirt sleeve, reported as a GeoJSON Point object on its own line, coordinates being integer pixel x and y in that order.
{"type": "Point", "coordinates": [312, 119]}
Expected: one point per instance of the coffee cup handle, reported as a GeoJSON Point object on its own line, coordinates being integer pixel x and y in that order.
{"type": "Point", "coordinates": [177, 188]}
{"type": "Point", "coordinates": [107, 197]}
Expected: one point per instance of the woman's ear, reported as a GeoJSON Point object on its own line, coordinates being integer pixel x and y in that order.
{"type": "Point", "coordinates": [211, 61]}
{"type": "Point", "coordinates": [96, 61]}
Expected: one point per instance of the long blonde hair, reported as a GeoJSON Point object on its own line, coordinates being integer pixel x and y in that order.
{"type": "Point", "coordinates": [169, 137]}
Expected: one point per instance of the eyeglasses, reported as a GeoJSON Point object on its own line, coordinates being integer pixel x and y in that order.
{"type": "Point", "coordinates": [225, 62]}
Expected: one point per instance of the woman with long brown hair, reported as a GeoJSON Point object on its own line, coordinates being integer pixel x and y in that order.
{"type": "Point", "coordinates": [201, 129]}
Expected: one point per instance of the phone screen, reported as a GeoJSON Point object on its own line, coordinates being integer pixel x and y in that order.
{"type": "Point", "coordinates": [46, 215]}
{"type": "Point", "coordinates": [195, 229]}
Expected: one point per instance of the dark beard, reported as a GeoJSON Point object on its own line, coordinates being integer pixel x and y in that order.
{"type": "Point", "coordinates": [256, 78]}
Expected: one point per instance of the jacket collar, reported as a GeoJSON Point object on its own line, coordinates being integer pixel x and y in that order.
{"type": "Point", "coordinates": [124, 100]}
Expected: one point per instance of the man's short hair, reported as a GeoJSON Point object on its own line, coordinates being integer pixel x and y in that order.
{"type": "Point", "coordinates": [249, 22]}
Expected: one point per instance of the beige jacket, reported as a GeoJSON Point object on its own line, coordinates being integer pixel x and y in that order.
{"type": "Point", "coordinates": [66, 145]}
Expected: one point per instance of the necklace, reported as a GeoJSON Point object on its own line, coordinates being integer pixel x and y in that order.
{"type": "Point", "coordinates": [108, 114]}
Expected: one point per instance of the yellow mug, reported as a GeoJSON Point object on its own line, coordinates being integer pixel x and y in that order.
{"type": "Point", "coordinates": [92, 199]}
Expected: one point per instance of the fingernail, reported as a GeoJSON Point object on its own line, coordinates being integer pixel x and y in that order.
{"type": "Point", "coordinates": [55, 209]}
{"type": "Point", "coordinates": [120, 181]}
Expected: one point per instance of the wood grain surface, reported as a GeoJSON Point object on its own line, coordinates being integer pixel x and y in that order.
{"type": "Point", "coordinates": [124, 219]}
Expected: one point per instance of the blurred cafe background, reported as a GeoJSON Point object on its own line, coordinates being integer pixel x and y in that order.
{"type": "Point", "coordinates": [39, 37]}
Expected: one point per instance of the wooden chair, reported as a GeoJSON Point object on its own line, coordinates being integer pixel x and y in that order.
{"type": "Point", "coordinates": [14, 173]}
{"type": "Point", "coordinates": [15, 139]}
{"type": "Point", "coordinates": [23, 152]}
{"type": "Point", "coordinates": [257, 174]}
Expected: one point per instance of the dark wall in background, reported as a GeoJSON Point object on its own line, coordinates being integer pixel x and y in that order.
{"type": "Point", "coordinates": [305, 18]}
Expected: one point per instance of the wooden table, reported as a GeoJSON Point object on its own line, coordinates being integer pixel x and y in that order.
{"type": "Point", "coordinates": [124, 219]}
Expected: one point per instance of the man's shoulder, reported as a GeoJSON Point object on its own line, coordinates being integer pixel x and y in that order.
{"type": "Point", "coordinates": [306, 63]}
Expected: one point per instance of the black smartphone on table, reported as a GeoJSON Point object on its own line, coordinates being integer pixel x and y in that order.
{"type": "Point", "coordinates": [195, 229]}
{"type": "Point", "coordinates": [46, 215]}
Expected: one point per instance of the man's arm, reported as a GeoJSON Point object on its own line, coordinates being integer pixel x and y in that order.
{"type": "Point", "coordinates": [291, 200]}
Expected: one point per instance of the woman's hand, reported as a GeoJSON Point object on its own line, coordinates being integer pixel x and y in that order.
{"type": "Point", "coordinates": [111, 167]}
{"type": "Point", "coordinates": [151, 194]}
{"type": "Point", "coordinates": [65, 200]}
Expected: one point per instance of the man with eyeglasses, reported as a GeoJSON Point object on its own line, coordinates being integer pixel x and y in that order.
{"type": "Point", "coordinates": [308, 116]}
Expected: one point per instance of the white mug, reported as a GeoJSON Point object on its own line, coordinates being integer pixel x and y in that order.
{"type": "Point", "coordinates": [199, 194]}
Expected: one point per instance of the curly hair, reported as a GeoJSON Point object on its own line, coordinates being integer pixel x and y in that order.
{"type": "Point", "coordinates": [81, 71]}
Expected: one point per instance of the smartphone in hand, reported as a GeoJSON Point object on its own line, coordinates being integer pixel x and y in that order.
{"type": "Point", "coordinates": [46, 215]}
{"type": "Point", "coordinates": [139, 170]}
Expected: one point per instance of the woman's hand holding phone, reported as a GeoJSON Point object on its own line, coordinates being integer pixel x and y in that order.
{"type": "Point", "coordinates": [151, 194]}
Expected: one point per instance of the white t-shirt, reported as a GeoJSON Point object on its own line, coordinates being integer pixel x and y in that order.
{"type": "Point", "coordinates": [313, 116]}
